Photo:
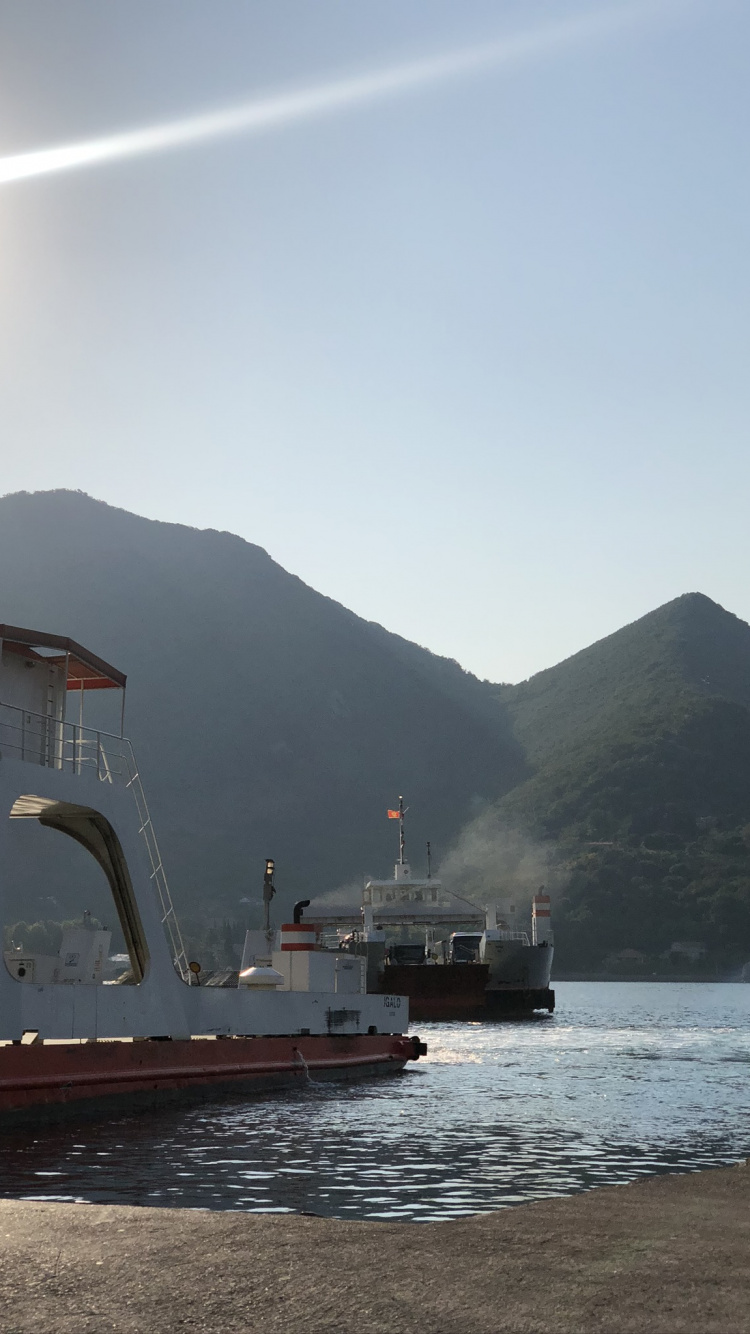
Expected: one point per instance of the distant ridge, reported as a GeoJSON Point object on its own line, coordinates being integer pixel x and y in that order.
{"type": "Point", "coordinates": [641, 751]}
{"type": "Point", "coordinates": [688, 645]}
{"type": "Point", "coordinates": [268, 719]}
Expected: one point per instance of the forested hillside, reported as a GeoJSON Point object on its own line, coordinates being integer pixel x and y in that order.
{"type": "Point", "coordinates": [271, 721]}
{"type": "Point", "coordinates": [641, 750]}
{"type": "Point", "coordinates": [268, 720]}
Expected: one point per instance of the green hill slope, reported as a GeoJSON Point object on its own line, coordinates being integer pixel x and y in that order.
{"type": "Point", "coordinates": [641, 750]}
{"type": "Point", "coordinates": [268, 719]}
{"type": "Point", "coordinates": [642, 676]}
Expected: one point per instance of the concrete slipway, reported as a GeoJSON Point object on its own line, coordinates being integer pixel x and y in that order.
{"type": "Point", "coordinates": [669, 1253]}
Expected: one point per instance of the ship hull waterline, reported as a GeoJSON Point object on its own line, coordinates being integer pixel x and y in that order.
{"type": "Point", "coordinates": [61, 1079]}
{"type": "Point", "coordinates": [510, 1004]}
{"type": "Point", "coordinates": [460, 991]}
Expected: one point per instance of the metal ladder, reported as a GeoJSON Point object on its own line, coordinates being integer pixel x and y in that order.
{"type": "Point", "coordinates": [158, 875]}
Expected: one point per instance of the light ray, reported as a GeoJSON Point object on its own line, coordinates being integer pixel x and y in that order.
{"type": "Point", "coordinates": [267, 113]}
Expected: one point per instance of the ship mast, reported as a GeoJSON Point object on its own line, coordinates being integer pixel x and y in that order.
{"type": "Point", "coordinates": [401, 868]}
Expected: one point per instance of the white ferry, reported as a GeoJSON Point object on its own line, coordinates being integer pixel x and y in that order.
{"type": "Point", "coordinates": [67, 1039]}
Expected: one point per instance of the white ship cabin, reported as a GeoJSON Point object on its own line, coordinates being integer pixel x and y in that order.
{"type": "Point", "coordinates": [403, 889]}
{"type": "Point", "coordinates": [43, 680]}
{"type": "Point", "coordinates": [415, 901]}
{"type": "Point", "coordinates": [402, 901]}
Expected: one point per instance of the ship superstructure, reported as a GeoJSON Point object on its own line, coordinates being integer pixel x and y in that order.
{"type": "Point", "coordinates": [470, 961]}
{"type": "Point", "coordinates": [64, 1034]}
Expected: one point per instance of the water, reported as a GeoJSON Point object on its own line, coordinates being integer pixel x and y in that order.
{"type": "Point", "coordinates": [627, 1079]}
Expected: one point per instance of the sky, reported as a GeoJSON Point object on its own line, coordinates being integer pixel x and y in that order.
{"type": "Point", "coordinates": [444, 304]}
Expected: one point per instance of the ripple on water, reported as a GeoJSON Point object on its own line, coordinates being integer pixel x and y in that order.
{"type": "Point", "coordinates": [626, 1080]}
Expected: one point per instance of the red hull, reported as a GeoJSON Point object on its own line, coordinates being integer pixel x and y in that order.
{"type": "Point", "coordinates": [52, 1077]}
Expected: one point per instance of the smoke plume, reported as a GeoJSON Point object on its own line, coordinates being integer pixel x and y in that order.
{"type": "Point", "coordinates": [494, 861]}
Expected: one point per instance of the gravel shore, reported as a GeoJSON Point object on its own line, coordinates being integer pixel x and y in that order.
{"type": "Point", "coordinates": [665, 1254]}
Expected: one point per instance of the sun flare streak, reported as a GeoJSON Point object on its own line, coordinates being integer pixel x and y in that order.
{"type": "Point", "coordinates": [267, 113]}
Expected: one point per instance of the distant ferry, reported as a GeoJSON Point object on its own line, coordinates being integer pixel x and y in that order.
{"type": "Point", "coordinates": [486, 970]}
{"type": "Point", "coordinates": [70, 1040]}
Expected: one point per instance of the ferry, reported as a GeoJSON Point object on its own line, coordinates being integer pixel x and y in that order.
{"type": "Point", "coordinates": [70, 1039]}
{"type": "Point", "coordinates": [488, 968]}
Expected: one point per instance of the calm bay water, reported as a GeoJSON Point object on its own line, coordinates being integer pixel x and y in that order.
{"type": "Point", "coordinates": [626, 1079]}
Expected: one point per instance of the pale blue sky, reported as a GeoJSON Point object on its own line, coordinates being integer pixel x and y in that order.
{"type": "Point", "coordinates": [472, 360]}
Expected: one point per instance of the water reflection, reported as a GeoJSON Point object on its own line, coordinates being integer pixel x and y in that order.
{"type": "Point", "coordinates": [626, 1080]}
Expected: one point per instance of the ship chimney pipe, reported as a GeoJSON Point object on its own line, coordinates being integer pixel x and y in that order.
{"type": "Point", "coordinates": [297, 914]}
{"type": "Point", "coordinates": [541, 924]}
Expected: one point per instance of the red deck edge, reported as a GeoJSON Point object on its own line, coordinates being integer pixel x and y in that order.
{"type": "Point", "coordinates": [45, 1075]}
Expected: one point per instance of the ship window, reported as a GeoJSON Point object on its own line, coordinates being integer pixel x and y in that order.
{"type": "Point", "coordinates": [69, 909]}
{"type": "Point", "coordinates": [377, 896]}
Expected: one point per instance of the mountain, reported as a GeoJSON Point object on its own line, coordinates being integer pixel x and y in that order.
{"type": "Point", "coordinates": [640, 747]}
{"type": "Point", "coordinates": [267, 719]}
{"type": "Point", "coordinates": [270, 721]}
{"type": "Point", "coordinates": [641, 676]}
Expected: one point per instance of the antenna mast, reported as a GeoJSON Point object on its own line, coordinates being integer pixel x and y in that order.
{"type": "Point", "coordinates": [429, 863]}
{"type": "Point", "coordinates": [402, 837]}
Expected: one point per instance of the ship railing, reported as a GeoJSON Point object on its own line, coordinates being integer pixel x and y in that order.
{"type": "Point", "coordinates": [522, 936]}
{"type": "Point", "coordinates": [57, 744]}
